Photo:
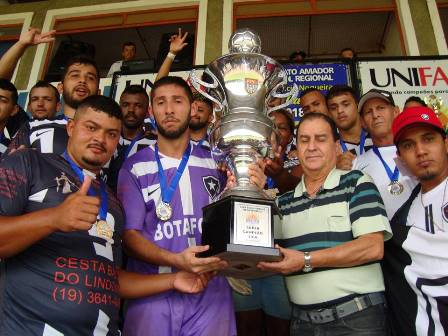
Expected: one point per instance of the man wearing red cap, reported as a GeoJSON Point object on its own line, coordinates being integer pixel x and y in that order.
{"type": "Point", "coordinates": [416, 259]}
{"type": "Point", "coordinates": [377, 110]}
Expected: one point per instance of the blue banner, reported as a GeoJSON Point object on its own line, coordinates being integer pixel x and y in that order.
{"type": "Point", "coordinates": [319, 76]}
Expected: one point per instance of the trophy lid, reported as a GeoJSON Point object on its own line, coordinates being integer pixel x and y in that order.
{"type": "Point", "coordinates": [244, 40]}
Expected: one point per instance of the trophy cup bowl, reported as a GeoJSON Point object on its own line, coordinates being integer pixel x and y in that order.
{"type": "Point", "coordinates": [239, 226]}
{"type": "Point", "coordinates": [243, 138]}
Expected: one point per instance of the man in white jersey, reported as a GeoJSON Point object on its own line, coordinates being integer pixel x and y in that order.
{"type": "Point", "coordinates": [416, 258]}
{"type": "Point", "coordinates": [395, 183]}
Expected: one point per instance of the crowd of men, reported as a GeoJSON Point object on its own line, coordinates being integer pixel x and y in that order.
{"type": "Point", "coordinates": [101, 210]}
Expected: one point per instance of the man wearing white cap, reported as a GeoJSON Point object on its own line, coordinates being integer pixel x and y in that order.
{"type": "Point", "coordinates": [395, 183]}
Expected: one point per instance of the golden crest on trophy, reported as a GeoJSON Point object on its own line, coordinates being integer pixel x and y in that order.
{"type": "Point", "coordinates": [436, 104]}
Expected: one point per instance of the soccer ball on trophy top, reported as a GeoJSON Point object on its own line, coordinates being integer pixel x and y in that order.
{"type": "Point", "coordinates": [244, 40]}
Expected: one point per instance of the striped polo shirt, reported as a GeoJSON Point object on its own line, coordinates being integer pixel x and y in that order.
{"type": "Point", "coordinates": [347, 206]}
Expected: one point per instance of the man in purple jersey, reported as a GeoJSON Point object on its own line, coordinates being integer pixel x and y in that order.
{"type": "Point", "coordinates": [163, 189]}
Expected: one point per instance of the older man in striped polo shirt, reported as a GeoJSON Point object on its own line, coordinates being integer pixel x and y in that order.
{"type": "Point", "coordinates": [333, 230]}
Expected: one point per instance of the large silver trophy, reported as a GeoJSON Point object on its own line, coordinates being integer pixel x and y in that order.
{"type": "Point", "coordinates": [238, 227]}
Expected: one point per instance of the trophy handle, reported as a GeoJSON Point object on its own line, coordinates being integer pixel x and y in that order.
{"type": "Point", "coordinates": [198, 84]}
{"type": "Point", "coordinates": [290, 96]}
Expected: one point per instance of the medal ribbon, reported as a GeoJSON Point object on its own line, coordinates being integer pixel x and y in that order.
{"type": "Point", "coordinates": [153, 123]}
{"type": "Point", "coordinates": [361, 143]}
{"type": "Point", "coordinates": [128, 149]}
{"type": "Point", "coordinates": [393, 176]}
{"type": "Point", "coordinates": [91, 192]}
{"type": "Point", "coordinates": [200, 142]}
{"type": "Point", "coordinates": [167, 193]}
{"type": "Point", "coordinates": [205, 138]}
{"type": "Point", "coordinates": [270, 183]}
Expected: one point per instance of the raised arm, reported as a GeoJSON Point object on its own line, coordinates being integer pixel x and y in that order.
{"type": "Point", "coordinates": [177, 43]}
{"type": "Point", "coordinates": [29, 38]}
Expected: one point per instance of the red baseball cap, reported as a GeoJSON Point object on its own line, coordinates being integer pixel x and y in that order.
{"type": "Point", "coordinates": [418, 115]}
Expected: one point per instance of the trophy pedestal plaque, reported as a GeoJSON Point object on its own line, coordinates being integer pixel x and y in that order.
{"type": "Point", "coordinates": [239, 230]}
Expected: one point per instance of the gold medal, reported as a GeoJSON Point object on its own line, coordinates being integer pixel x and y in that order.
{"type": "Point", "coordinates": [164, 211]}
{"type": "Point", "coordinates": [103, 229]}
{"type": "Point", "coordinates": [395, 188]}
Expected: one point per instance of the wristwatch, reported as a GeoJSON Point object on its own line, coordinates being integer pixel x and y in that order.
{"type": "Point", "coordinates": [307, 263]}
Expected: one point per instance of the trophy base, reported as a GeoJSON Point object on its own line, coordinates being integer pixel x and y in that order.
{"type": "Point", "coordinates": [239, 230]}
{"type": "Point", "coordinates": [243, 260]}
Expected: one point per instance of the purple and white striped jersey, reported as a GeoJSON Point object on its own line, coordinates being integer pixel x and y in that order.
{"type": "Point", "coordinates": [139, 192]}
{"type": "Point", "coordinates": [174, 313]}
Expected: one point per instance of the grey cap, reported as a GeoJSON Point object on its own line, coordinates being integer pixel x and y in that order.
{"type": "Point", "coordinates": [375, 93]}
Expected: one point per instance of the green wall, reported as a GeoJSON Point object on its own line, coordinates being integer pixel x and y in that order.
{"type": "Point", "coordinates": [213, 36]}
{"type": "Point", "coordinates": [424, 32]}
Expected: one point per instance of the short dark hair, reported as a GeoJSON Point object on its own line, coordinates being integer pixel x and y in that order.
{"type": "Point", "coordinates": [172, 80]}
{"type": "Point", "coordinates": [416, 100]}
{"type": "Point", "coordinates": [338, 90]}
{"type": "Point", "coordinates": [101, 103]}
{"type": "Point", "coordinates": [347, 49]}
{"type": "Point", "coordinates": [45, 84]}
{"type": "Point", "coordinates": [288, 116]}
{"type": "Point", "coordinates": [199, 97]}
{"type": "Point", "coordinates": [81, 59]}
{"type": "Point", "coordinates": [309, 90]}
{"type": "Point", "coordinates": [314, 116]}
{"type": "Point", "coordinates": [6, 85]}
{"type": "Point", "coordinates": [129, 44]}
{"type": "Point", "coordinates": [297, 53]}
{"type": "Point", "coordinates": [135, 89]}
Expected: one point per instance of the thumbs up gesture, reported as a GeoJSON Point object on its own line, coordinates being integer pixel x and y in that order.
{"type": "Point", "coordinates": [78, 211]}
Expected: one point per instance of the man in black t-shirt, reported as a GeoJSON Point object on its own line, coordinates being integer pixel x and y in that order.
{"type": "Point", "coordinates": [60, 236]}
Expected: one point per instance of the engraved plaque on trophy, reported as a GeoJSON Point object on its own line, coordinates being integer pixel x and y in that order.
{"type": "Point", "coordinates": [239, 226]}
